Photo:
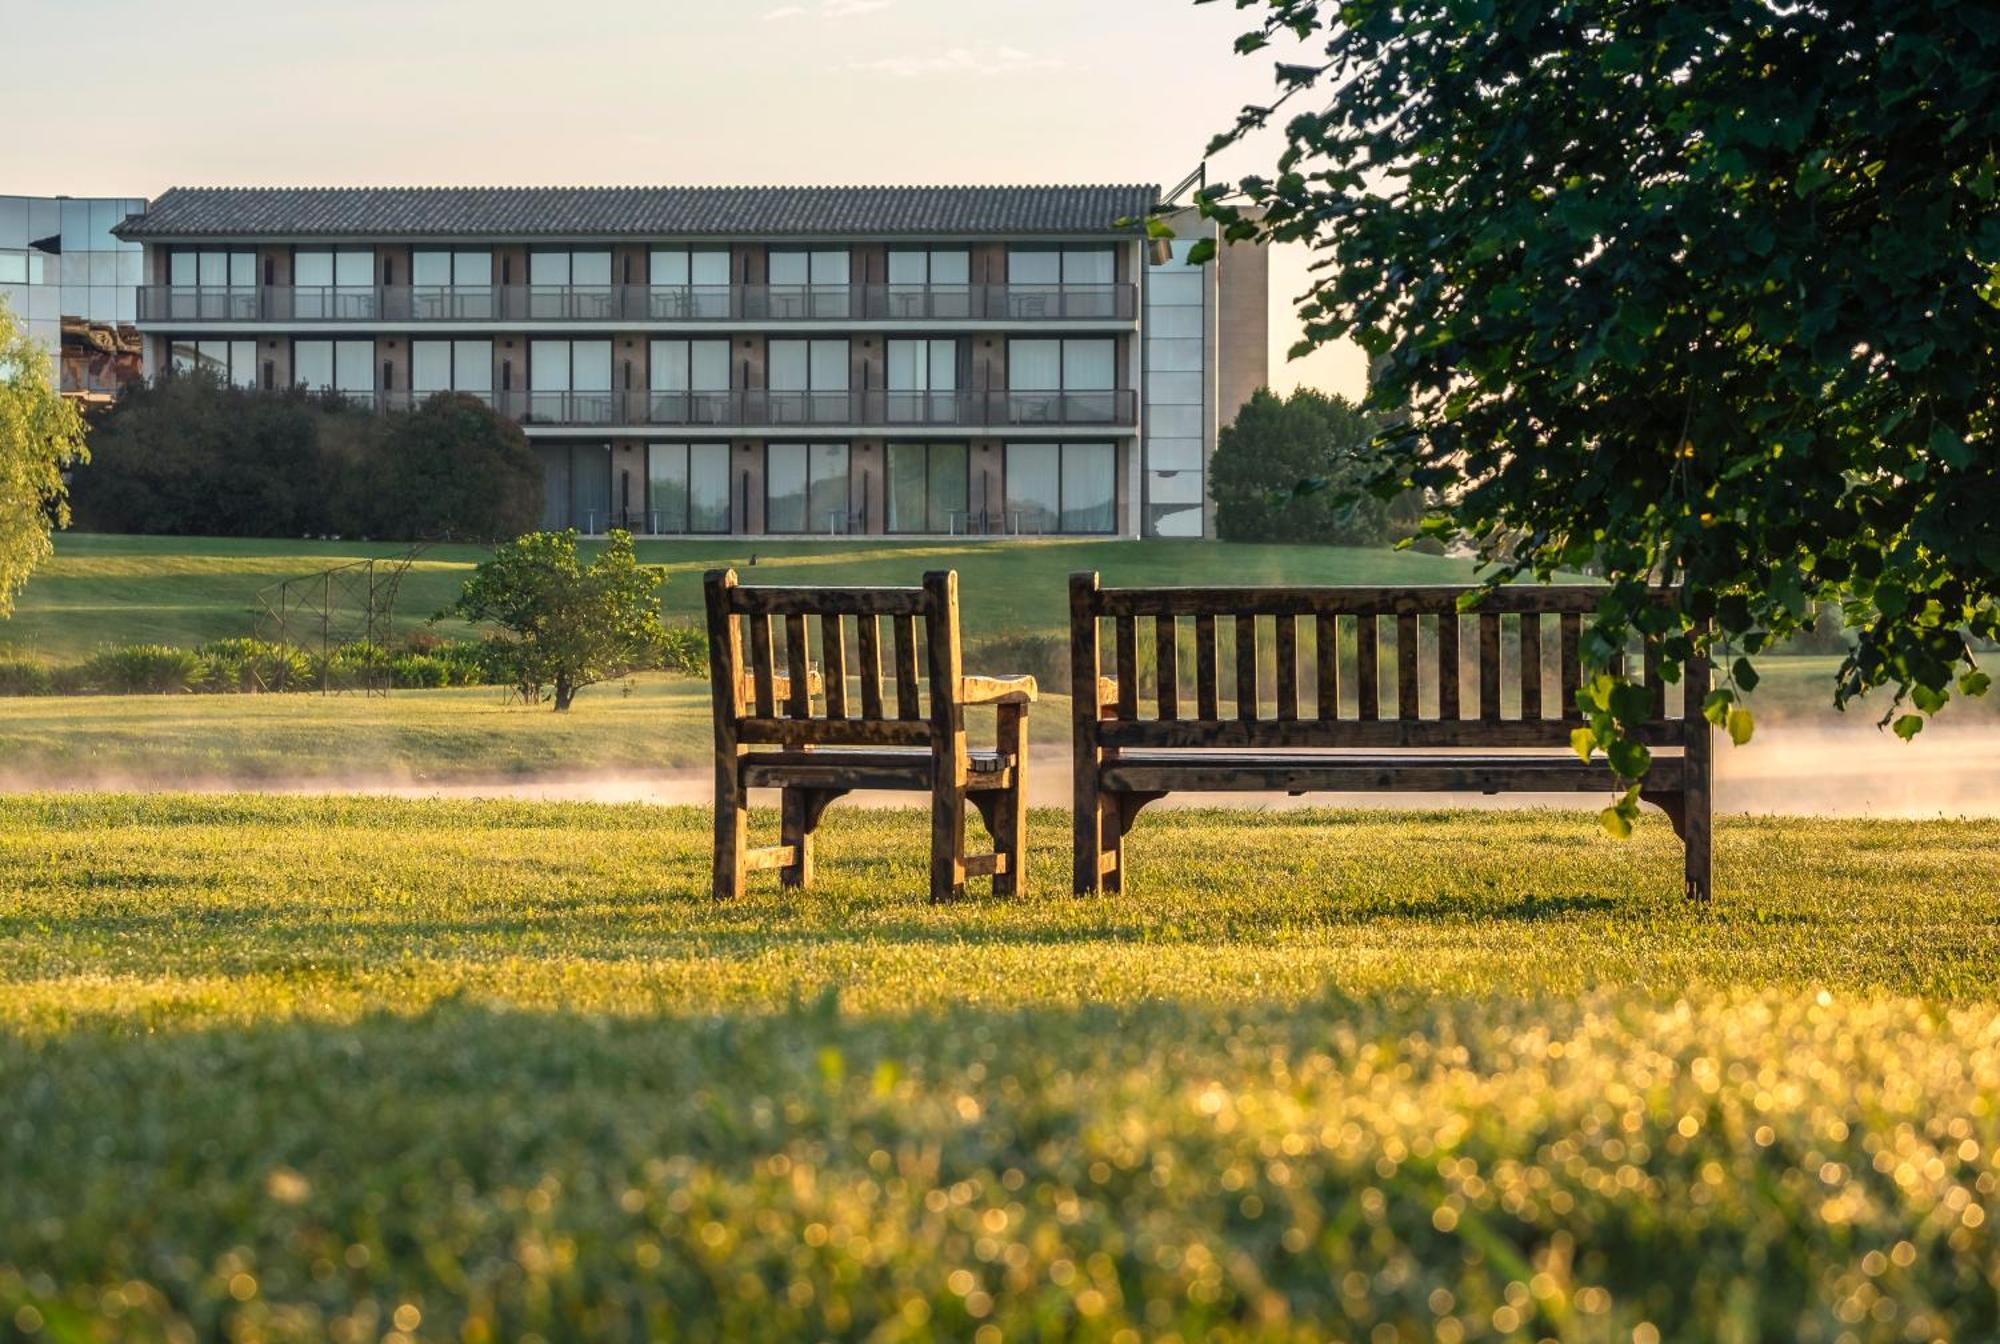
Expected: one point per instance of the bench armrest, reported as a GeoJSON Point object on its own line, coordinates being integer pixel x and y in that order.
{"type": "Point", "coordinates": [781, 686]}
{"type": "Point", "coordinates": [997, 691]}
{"type": "Point", "coordinates": [1107, 691]}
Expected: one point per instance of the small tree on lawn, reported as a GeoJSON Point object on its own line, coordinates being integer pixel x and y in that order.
{"type": "Point", "coordinates": [569, 625]}
{"type": "Point", "coordinates": [40, 434]}
{"type": "Point", "coordinates": [1274, 444]}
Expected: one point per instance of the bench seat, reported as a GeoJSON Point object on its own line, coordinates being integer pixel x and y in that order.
{"type": "Point", "coordinates": [869, 768]}
{"type": "Point", "coordinates": [1292, 772]}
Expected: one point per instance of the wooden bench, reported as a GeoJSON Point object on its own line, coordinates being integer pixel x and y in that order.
{"type": "Point", "coordinates": [816, 732]}
{"type": "Point", "coordinates": [1384, 684]}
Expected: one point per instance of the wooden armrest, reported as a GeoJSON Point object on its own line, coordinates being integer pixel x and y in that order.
{"type": "Point", "coordinates": [996, 691]}
{"type": "Point", "coordinates": [1107, 691]}
{"type": "Point", "coordinates": [781, 686]}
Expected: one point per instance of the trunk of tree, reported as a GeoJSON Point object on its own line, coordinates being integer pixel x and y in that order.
{"type": "Point", "coordinates": [564, 694]}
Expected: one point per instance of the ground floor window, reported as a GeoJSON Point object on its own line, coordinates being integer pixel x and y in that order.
{"type": "Point", "coordinates": [1063, 487]}
{"type": "Point", "coordinates": [230, 361]}
{"type": "Point", "coordinates": [928, 486]}
{"type": "Point", "coordinates": [576, 486]}
{"type": "Point", "coordinates": [687, 487]}
{"type": "Point", "coordinates": [805, 487]}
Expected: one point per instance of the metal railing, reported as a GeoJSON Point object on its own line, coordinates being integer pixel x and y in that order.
{"type": "Point", "coordinates": [764, 408]}
{"type": "Point", "coordinates": [668, 304]}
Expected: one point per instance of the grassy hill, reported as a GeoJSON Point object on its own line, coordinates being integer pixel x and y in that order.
{"type": "Point", "coordinates": [100, 590]}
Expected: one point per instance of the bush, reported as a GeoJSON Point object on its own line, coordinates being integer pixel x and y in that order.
{"type": "Point", "coordinates": [418, 671]}
{"type": "Point", "coordinates": [143, 669]}
{"type": "Point", "coordinates": [22, 676]}
{"type": "Point", "coordinates": [454, 467]}
{"type": "Point", "coordinates": [1274, 445]}
{"type": "Point", "coordinates": [684, 649]}
{"type": "Point", "coordinates": [252, 665]}
{"type": "Point", "coordinates": [1043, 657]}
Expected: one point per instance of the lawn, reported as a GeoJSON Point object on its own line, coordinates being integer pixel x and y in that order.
{"type": "Point", "coordinates": [306, 1068]}
{"type": "Point", "coordinates": [100, 590]}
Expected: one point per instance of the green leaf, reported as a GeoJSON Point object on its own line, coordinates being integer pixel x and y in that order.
{"type": "Point", "coordinates": [1974, 683]}
{"type": "Point", "coordinates": [1582, 741]}
{"type": "Point", "coordinates": [1947, 444]}
{"type": "Point", "coordinates": [1929, 699]}
{"type": "Point", "coordinates": [1744, 673]}
{"type": "Point", "coordinates": [1629, 759]}
{"type": "Point", "coordinates": [1908, 726]}
{"type": "Point", "coordinates": [1740, 726]}
{"type": "Point", "coordinates": [1615, 823]}
{"type": "Point", "coordinates": [1716, 707]}
{"type": "Point", "coordinates": [1203, 251]}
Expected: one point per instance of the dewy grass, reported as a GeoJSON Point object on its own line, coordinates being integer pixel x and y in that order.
{"type": "Point", "coordinates": [320, 1068]}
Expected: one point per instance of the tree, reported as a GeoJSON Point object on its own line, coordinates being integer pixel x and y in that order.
{"type": "Point", "coordinates": [1697, 291]}
{"type": "Point", "coordinates": [453, 467]}
{"type": "Point", "coordinates": [40, 435]}
{"type": "Point", "coordinates": [1274, 444]}
{"type": "Point", "coordinates": [568, 625]}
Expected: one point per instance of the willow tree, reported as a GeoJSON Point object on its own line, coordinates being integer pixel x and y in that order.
{"type": "Point", "coordinates": [1702, 291]}
{"type": "Point", "coordinates": [40, 435]}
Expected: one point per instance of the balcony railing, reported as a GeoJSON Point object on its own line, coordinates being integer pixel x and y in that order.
{"type": "Point", "coordinates": [670, 304]}
{"type": "Point", "coordinates": [762, 408]}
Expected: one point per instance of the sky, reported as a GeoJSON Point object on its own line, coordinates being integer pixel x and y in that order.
{"type": "Point", "coordinates": [614, 92]}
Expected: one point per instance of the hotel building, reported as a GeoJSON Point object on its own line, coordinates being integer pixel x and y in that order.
{"type": "Point", "coordinates": [992, 361]}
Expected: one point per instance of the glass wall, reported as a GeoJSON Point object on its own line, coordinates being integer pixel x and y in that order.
{"type": "Point", "coordinates": [337, 285]}
{"type": "Point", "coordinates": [1061, 281]}
{"type": "Point", "coordinates": [1178, 396]}
{"type": "Point", "coordinates": [933, 282]}
{"type": "Point", "coordinates": [212, 283]}
{"type": "Point", "coordinates": [808, 381]}
{"type": "Point", "coordinates": [805, 487]}
{"type": "Point", "coordinates": [1063, 487]}
{"type": "Point", "coordinates": [576, 486]}
{"type": "Point", "coordinates": [569, 382]}
{"type": "Point", "coordinates": [687, 487]}
{"type": "Point", "coordinates": [451, 366]}
{"type": "Point", "coordinates": [226, 360]}
{"type": "Point", "coordinates": [928, 486]}
{"type": "Point", "coordinates": [1062, 381]}
{"type": "Point", "coordinates": [75, 286]}
{"type": "Point", "coordinates": [690, 382]}
{"type": "Point", "coordinates": [689, 282]}
{"type": "Point", "coordinates": [452, 285]}
{"type": "Point", "coordinates": [572, 284]}
{"type": "Point", "coordinates": [809, 283]}
{"type": "Point", "coordinates": [346, 367]}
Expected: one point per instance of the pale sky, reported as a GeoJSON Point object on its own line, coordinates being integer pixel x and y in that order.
{"type": "Point", "coordinates": [129, 97]}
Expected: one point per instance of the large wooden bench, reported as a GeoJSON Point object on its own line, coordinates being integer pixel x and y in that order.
{"type": "Point", "coordinates": [816, 731]}
{"type": "Point", "coordinates": [1383, 704]}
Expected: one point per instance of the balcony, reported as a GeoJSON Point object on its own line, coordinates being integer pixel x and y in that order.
{"type": "Point", "coordinates": [761, 409]}
{"type": "Point", "coordinates": [672, 305]}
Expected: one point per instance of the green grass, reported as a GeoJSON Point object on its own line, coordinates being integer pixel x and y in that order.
{"type": "Point", "coordinates": [100, 590]}
{"type": "Point", "coordinates": [307, 1068]}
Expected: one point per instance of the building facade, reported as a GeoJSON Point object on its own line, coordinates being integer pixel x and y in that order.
{"type": "Point", "coordinates": [75, 285]}
{"type": "Point", "coordinates": [1004, 361]}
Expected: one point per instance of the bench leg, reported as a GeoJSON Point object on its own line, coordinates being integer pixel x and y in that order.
{"type": "Point", "coordinates": [1695, 835]}
{"type": "Point", "coordinates": [798, 816]}
{"type": "Point", "coordinates": [1009, 820]}
{"type": "Point", "coordinates": [947, 841]}
{"type": "Point", "coordinates": [1111, 842]}
{"type": "Point", "coordinates": [732, 831]}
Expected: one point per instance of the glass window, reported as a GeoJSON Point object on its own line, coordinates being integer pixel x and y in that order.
{"type": "Point", "coordinates": [451, 366]}
{"type": "Point", "coordinates": [928, 486]}
{"type": "Point", "coordinates": [808, 381]}
{"type": "Point", "coordinates": [548, 268]}
{"type": "Point", "coordinates": [430, 367]}
{"type": "Point", "coordinates": [690, 382]}
{"type": "Point", "coordinates": [1089, 266]}
{"type": "Point", "coordinates": [573, 284]}
{"type": "Point", "coordinates": [930, 282]}
{"type": "Point", "coordinates": [590, 268]}
{"type": "Point", "coordinates": [354, 366]}
{"type": "Point", "coordinates": [1089, 365]}
{"type": "Point", "coordinates": [1063, 487]}
{"type": "Point", "coordinates": [1034, 366]}
{"type": "Point", "coordinates": [181, 268]}
{"type": "Point", "coordinates": [13, 268]}
{"type": "Point", "coordinates": [347, 367]}
{"type": "Point", "coordinates": [809, 283]}
{"type": "Point", "coordinates": [805, 487]}
{"type": "Point", "coordinates": [312, 364]}
{"type": "Point", "coordinates": [687, 487]}
{"type": "Point", "coordinates": [689, 282]}
{"type": "Point", "coordinates": [1062, 381]}
{"type": "Point", "coordinates": [1034, 266]}
{"type": "Point", "coordinates": [922, 379]}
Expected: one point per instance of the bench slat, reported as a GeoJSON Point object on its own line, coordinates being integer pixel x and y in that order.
{"type": "Point", "coordinates": [1406, 773]}
{"type": "Point", "coordinates": [1448, 665]}
{"type": "Point", "coordinates": [868, 634]}
{"type": "Point", "coordinates": [1204, 666]}
{"type": "Point", "coordinates": [1368, 666]}
{"type": "Point", "coordinates": [1654, 684]}
{"type": "Point", "coordinates": [775, 601]}
{"type": "Point", "coordinates": [1126, 639]}
{"type": "Point", "coordinates": [1246, 668]}
{"type": "Point", "coordinates": [1572, 665]}
{"type": "Point", "coordinates": [906, 668]}
{"type": "Point", "coordinates": [1166, 658]}
{"type": "Point", "coordinates": [1407, 706]}
{"type": "Point", "coordinates": [1353, 733]}
{"type": "Point", "coordinates": [798, 660]}
{"type": "Point", "coordinates": [1326, 654]}
{"type": "Point", "coordinates": [760, 665]}
{"type": "Point", "coordinates": [1531, 666]}
{"type": "Point", "coordinates": [1489, 666]}
{"type": "Point", "coordinates": [1343, 600]}
{"type": "Point", "coordinates": [835, 732]}
{"type": "Point", "coordinates": [833, 653]}
{"type": "Point", "coordinates": [1288, 668]}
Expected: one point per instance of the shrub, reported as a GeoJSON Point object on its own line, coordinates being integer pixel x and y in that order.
{"type": "Point", "coordinates": [454, 467]}
{"type": "Point", "coordinates": [684, 649]}
{"type": "Point", "coordinates": [22, 676]}
{"type": "Point", "coordinates": [252, 665]}
{"type": "Point", "coordinates": [418, 671]}
{"type": "Point", "coordinates": [1042, 656]}
{"type": "Point", "coordinates": [143, 669]}
{"type": "Point", "coordinates": [1276, 443]}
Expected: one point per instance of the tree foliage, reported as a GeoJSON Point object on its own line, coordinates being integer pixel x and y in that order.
{"type": "Point", "coordinates": [40, 435]}
{"type": "Point", "coordinates": [1701, 291]}
{"type": "Point", "coordinates": [187, 455]}
{"type": "Point", "coordinates": [568, 625]}
{"type": "Point", "coordinates": [1276, 443]}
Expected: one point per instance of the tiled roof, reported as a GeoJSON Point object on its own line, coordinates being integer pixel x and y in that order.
{"type": "Point", "coordinates": [735, 212]}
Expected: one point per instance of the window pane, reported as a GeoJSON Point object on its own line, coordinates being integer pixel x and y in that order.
{"type": "Point", "coordinates": [548, 366]}
{"type": "Point", "coordinates": [590, 366]}
{"type": "Point", "coordinates": [708, 366]}
{"type": "Point", "coordinates": [1033, 267]}
{"type": "Point", "coordinates": [708, 487]}
{"type": "Point", "coordinates": [1034, 365]}
{"type": "Point", "coordinates": [353, 269]}
{"type": "Point", "coordinates": [590, 268]}
{"type": "Point", "coordinates": [948, 484]}
{"type": "Point", "coordinates": [908, 485]}
{"type": "Point", "coordinates": [909, 268]}
{"type": "Point", "coordinates": [212, 357]}
{"type": "Point", "coordinates": [243, 363]}
{"type": "Point", "coordinates": [1034, 485]}
{"type": "Point", "coordinates": [785, 487]}
{"type": "Point", "coordinates": [944, 366]}
{"type": "Point", "coordinates": [430, 268]}
{"type": "Point", "coordinates": [829, 267]}
{"type": "Point", "coordinates": [472, 268]}
{"type": "Point", "coordinates": [354, 366]}
{"type": "Point", "coordinates": [789, 268]}
{"type": "Point", "coordinates": [1089, 266]}
{"type": "Point", "coordinates": [243, 269]}
{"type": "Point", "coordinates": [312, 363]}
{"type": "Point", "coordinates": [669, 266]}
{"type": "Point", "coordinates": [786, 368]}
{"type": "Point", "coordinates": [590, 487]}
{"type": "Point", "coordinates": [670, 366]}
{"type": "Point", "coordinates": [472, 366]}
{"type": "Point", "coordinates": [548, 268]}
{"type": "Point", "coordinates": [709, 268]}
{"type": "Point", "coordinates": [214, 268]}
{"type": "Point", "coordinates": [667, 485]}
{"type": "Point", "coordinates": [186, 355]}
{"type": "Point", "coordinates": [906, 366]}
{"type": "Point", "coordinates": [430, 366]}
{"type": "Point", "coordinates": [1089, 487]}
{"type": "Point", "coordinates": [312, 268]}
{"type": "Point", "coordinates": [181, 268]}
{"type": "Point", "coordinates": [828, 496]}
{"type": "Point", "coordinates": [1089, 365]}
{"type": "Point", "coordinates": [829, 366]}
{"type": "Point", "coordinates": [951, 268]}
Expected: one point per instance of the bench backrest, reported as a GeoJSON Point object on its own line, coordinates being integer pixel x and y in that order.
{"type": "Point", "coordinates": [1383, 668]}
{"type": "Point", "coordinates": [769, 688]}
